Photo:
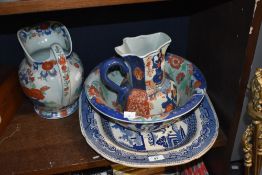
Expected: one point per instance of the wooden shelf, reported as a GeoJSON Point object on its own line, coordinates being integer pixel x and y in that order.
{"type": "Point", "coordinates": [31, 144]}
{"type": "Point", "coordinates": [34, 145]}
{"type": "Point", "coordinates": [28, 6]}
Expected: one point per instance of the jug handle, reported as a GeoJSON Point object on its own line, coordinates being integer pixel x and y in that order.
{"type": "Point", "coordinates": [64, 72]}
{"type": "Point", "coordinates": [122, 91]}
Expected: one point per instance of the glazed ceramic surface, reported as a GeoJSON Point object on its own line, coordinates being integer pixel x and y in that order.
{"type": "Point", "coordinates": [147, 91]}
{"type": "Point", "coordinates": [101, 141]}
{"type": "Point", "coordinates": [190, 87]}
{"type": "Point", "coordinates": [172, 136]}
{"type": "Point", "coordinates": [50, 74]}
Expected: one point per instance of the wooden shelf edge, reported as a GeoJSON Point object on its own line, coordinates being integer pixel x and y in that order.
{"type": "Point", "coordinates": [73, 168]}
{"type": "Point", "coordinates": [29, 6]}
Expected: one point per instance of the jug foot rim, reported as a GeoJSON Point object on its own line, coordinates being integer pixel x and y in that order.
{"type": "Point", "coordinates": [61, 113]}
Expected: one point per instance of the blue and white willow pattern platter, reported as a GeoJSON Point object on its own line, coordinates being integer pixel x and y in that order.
{"type": "Point", "coordinates": [199, 144]}
{"type": "Point", "coordinates": [172, 136]}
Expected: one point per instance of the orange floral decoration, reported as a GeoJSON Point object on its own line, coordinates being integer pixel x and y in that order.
{"type": "Point", "coordinates": [137, 102]}
{"type": "Point", "coordinates": [48, 65]}
{"type": "Point", "coordinates": [100, 101]}
{"type": "Point", "coordinates": [44, 88]}
{"type": "Point", "coordinates": [169, 108]}
{"type": "Point", "coordinates": [150, 84]}
{"type": "Point", "coordinates": [62, 60]}
{"type": "Point", "coordinates": [63, 68]}
{"type": "Point", "coordinates": [180, 76]}
{"type": "Point", "coordinates": [148, 64]}
{"type": "Point", "coordinates": [197, 84]}
{"type": "Point", "coordinates": [138, 73]}
{"type": "Point", "coordinates": [34, 93]}
{"type": "Point", "coordinates": [93, 91]}
{"type": "Point", "coordinates": [175, 61]}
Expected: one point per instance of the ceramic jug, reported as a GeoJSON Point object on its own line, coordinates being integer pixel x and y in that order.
{"type": "Point", "coordinates": [51, 75]}
{"type": "Point", "coordinates": [147, 91]}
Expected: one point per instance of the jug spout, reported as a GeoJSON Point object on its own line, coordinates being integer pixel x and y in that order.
{"type": "Point", "coordinates": [36, 41]}
{"type": "Point", "coordinates": [145, 55]}
{"type": "Point", "coordinates": [143, 45]}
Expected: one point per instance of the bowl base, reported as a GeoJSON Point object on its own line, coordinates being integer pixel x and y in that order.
{"type": "Point", "coordinates": [57, 114]}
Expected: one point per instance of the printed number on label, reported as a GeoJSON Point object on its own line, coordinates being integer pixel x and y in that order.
{"type": "Point", "coordinates": [155, 158]}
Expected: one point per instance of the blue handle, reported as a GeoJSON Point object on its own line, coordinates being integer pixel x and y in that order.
{"type": "Point", "coordinates": [122, 91]}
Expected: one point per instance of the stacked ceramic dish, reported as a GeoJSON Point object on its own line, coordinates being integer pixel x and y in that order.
{"type": "Point", "coordinates": [147, 108]}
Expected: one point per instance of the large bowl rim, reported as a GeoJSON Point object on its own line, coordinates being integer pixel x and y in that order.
{"type": "Point", "coordinates": [119, 116]}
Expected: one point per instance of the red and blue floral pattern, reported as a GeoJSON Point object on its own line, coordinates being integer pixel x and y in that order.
{"type": "Point", "coordinates": [51, 75]}
{"type": "Point", "coordinates": [191, 89]}
{"type": "Point", "coordinates": [43, 29]}
{"type": "Point", "coordinates": [40, 82]}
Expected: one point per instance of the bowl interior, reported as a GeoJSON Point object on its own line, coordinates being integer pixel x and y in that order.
{"type": "Point", "coordinates": [188, 79]}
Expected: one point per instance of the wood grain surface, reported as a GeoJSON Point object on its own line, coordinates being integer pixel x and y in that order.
{"type": "Point", "coordinates": [10, 95]}
{"type": "Point", "coordinates": [33, 145]}
{"type": "Point", "coordinates": [27, 6]}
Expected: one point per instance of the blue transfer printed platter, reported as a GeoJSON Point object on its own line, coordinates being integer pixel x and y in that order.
{"type": "Point", "coordinates": [172, 136]}
{"type": "Point", "coordinates": [100, 140]}
{"type": "Point", "coordinates": [190, 84]}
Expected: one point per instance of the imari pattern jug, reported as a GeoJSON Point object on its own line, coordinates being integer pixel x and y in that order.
{"type": "Point", "coordinates": [51, 74]}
